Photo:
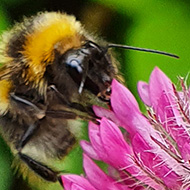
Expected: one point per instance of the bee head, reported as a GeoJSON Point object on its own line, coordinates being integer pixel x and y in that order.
{"type": "Point", "coordinates": [90, 67]}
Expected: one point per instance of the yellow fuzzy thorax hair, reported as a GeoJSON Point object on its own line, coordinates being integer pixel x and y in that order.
{"type": "Point", "coordinates": [50, 31]}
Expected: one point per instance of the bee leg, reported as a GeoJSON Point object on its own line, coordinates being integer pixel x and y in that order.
{"type": "Point", "coordinates": [39, 168]}
{"type": "Point", "coordinates": [59, 95]}
{"type": "Point", "coordinates": [39, 113]}
{"type": "Point", "coordinates": [42, 170]}
{"type": "Point", "coordinates": [27, 135]}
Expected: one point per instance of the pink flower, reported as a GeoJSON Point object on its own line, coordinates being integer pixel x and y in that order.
{"type": "Point", "coordinates": [95, 179]}
{"type": "Point", "coordinates": [151, 152]}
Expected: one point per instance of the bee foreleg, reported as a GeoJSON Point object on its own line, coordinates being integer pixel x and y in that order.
{"type": "Point", "coordinates": [58, 94]}
{"type": "Point", "coordinates": [42, 170]}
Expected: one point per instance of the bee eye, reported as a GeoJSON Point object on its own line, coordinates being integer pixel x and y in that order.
{"type": "Point", "coordinates": [75, 63]}
{"type": "Point", "coordinates": [74, 59]}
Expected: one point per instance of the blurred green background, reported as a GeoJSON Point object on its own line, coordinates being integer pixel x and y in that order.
{"type": "Point", "coordinates": [155, 24]}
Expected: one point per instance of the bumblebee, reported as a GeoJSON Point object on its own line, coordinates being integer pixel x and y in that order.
{"type": "Point", "coordinates": [52, 73]}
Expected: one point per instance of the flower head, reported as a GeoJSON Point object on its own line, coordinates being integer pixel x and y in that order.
{"type": "Point", "coordinates": [154, 150]}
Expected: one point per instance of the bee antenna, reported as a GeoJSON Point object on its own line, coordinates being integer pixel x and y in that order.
{"type": "Point", "coordinates": [141, 49]}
